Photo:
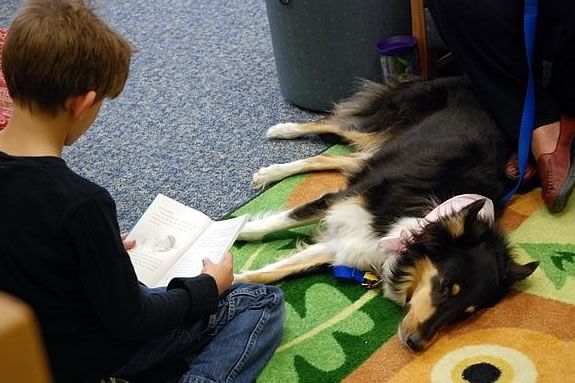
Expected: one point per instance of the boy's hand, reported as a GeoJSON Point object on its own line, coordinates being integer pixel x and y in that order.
{"type": "Point", "coordinates": [222, 272]}
{"type": "Point", "coordinates": [127, 244]}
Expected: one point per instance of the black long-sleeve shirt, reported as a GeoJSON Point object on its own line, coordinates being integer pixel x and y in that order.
{"type": "Point", "coordinates": [61, 252]}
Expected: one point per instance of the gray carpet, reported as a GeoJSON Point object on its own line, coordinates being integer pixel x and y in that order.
{"type": "Point", "coordinates": [193, 115]}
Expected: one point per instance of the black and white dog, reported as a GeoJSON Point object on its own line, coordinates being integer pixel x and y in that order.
{"type": "Point", "coordinates": [420, 210]}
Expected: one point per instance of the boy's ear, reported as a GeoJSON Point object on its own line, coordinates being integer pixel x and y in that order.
{"type": "Point", "coordinates": [77, 105]}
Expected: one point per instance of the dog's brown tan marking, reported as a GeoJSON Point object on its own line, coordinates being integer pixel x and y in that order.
{"type": "Point", "coordinates": [322, 126]}
{"type": "Point", "coordinates": [359, 200]}
{"type": "Point", "coordinates": [419, 287]}
{"type": "Point", "coordinates": [362, 141]}
{"type": "Point", "coordinates": [455, 225]}
{"type": "Point", "coordinates": [366, 142]}
{"type": "Point", "coordinates": [345, 164]}
{"type": "Point", "coordinates": [455, 289]}
{"type": "Point", "coordinates": [414, 278]}
{"type": "Point", "coordinates": [470, 309]}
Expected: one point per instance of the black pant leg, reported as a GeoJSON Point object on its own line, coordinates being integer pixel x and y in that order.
{"type": "Point", "coordinates": [563, 68]}
{"type": "Point", "coordinates": [488, 41]}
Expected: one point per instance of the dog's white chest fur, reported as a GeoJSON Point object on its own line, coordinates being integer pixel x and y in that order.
{"type": "Point", "coordinates": [350, 236]}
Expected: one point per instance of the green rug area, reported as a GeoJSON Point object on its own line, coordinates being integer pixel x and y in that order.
{"type": "Point", "coordinates": [335, 331]}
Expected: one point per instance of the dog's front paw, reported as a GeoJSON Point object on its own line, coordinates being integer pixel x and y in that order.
{"type": "Point", "coordinates": [248, 277]}
{"type": "Point", "coordinates": [285, 131]}
{"type": "Point", "coordinates": [255, 229]}
{"type": "Point", "coordinates": [249, 236]}
{"type": "Point", "coordinates": [267, 175]}
{"type": "Point", "coordinates": [251, 232]}
{"type": "Point", "coordinates": [240, 278]}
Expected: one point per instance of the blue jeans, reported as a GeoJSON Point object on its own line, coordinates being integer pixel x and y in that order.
{"type": "Point", "coordinates": [232, 346]}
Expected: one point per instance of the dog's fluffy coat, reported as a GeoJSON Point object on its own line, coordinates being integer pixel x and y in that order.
{"type": "Point", "coordinates": [417, 145]}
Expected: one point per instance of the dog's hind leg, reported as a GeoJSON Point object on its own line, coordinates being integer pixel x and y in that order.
{"type": "Point", "coordinates": [344, 127]}
{"type": "Point", "coordinates": [346, 164]}
{"type": "Point", "coordinates": [347, 119]}
{"type": "Point", "coordinates": [305, 260]}
{"type": "Point", "coordinates": [289, 130]}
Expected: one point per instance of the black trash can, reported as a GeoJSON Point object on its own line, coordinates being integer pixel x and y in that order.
{"type": "Point", "coordinates": [322, 47]}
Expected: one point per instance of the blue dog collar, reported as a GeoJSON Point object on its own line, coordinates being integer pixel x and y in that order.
{"type": "Point", "coordinates": [367, 279]}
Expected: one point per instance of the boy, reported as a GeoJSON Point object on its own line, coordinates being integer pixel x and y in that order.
{"type": "Point", "coordinates": [60, 246]}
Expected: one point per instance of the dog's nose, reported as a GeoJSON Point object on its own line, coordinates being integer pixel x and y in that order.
{"type": "Point", "coordinates": [414, 342]}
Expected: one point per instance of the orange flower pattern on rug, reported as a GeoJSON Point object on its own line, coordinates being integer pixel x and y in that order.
{"type": "Point", "coordinates": [314, 186]}
{"type": "Point", "coordinates": [519, 345]}
{"type": "Point", "coordinates": [520, 208]}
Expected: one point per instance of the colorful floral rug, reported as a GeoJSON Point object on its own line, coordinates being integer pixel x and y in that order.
{"type": "Point", "coordinates": [341, 332]}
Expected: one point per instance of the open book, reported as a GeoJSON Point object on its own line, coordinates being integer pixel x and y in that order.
{"type": "Point", "coordinates": [172, 239]}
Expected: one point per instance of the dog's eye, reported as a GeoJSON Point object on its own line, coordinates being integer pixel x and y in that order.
{"type": "Point", "coordinates": [443, 290]}
{"type": "Point", "coordinates": [448, 289]}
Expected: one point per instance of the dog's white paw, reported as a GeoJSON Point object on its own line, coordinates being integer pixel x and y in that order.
{"type": "Point", "coordinates": [253, 230]}
{"type": "Point", "coordinates": [267, 175]}
{"type": "Point", "coordinates": [240, 278]}
{"type": "Point", "coordinates": [250, 235]}
{"type": "Point", "coordinates": [285, 131]}
{"type": "Point", "coordinates": [249, 277]}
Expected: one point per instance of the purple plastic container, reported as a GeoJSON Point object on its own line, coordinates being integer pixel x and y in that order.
{"type": "Point", "coordinates": [397, 56]}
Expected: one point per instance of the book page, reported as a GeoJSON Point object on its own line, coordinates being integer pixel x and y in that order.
{"type": "Point", "coordinates": [162, 234]}
{"type": "Point", "coordinates": [212, 244]}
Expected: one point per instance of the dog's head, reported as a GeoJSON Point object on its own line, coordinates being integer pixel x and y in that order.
{"type": "Point", "coordinates": [451, 269]}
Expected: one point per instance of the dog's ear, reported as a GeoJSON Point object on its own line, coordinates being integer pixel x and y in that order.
{"type": "Point", "coordinates": [474, 225]}
{"type": "Point", "coordinates": [515, 272]}
{"type": "Point", "coordinates": [480, 209]}
{"type": "Point", "coordinates": [473, 208]}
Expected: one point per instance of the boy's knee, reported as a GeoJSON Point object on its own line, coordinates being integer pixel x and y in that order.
{"type": "Point", "coordinates": [274, 303]}
{"type": "Point", "coordinates": [276, 292]}
{"type": "Point", "coordinates": [278, 301]}
{"type": "Point", "coordinates": [256, 295]}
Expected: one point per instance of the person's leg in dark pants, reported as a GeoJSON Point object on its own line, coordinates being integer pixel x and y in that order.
{"type": "Point", "coordinates": [247, 329]}
{"type": "Point", "coordinates": [488, 41]}
{"type": "Point", "coordinates": [233, 346]}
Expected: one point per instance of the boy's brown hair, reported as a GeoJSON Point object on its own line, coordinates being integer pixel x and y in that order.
{"type": "Point", "coordinates": [57, 49]}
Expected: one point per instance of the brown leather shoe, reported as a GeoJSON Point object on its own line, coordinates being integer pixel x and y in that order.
{"type": "Point", "coordinates": [556, 169]}
{"type": "Point", "coordinates": [530, 178]}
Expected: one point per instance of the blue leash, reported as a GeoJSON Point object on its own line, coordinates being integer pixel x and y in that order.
{"type": "Point", "coordinates": [528, 117]}
{"type": "Point", "coordinates": [525, 132]}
